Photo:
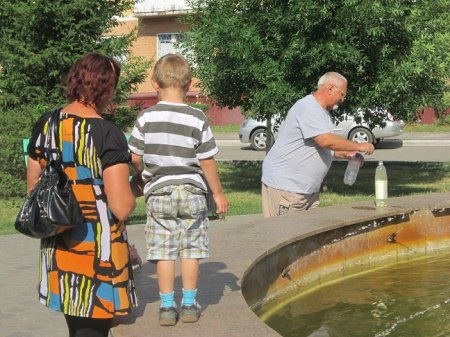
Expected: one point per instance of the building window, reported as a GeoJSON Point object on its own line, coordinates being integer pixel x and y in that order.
{"type": "Point", "coordinates": [167, 44]}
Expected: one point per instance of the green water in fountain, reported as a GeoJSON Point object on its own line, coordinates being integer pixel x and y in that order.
{"type": "Point", "coordinates": [411, 299]}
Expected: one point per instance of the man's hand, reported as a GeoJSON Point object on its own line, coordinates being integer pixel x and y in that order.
{"type": "Point", "coordinates": [366, 148]}
{"type": "Point", "coordinates": [339, 144]}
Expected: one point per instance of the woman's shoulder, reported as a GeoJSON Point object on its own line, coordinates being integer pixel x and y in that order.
{"type": "Point", "coordinates": [39, 125]}
{"type": "Point", "coordinates": [111, 143]}
{"type": "Point", "coordinates": [44, 118]}
{"type": "Point", "coordinates": [108, 135]}
{"type": "Point", "coordinates": [106, 127]}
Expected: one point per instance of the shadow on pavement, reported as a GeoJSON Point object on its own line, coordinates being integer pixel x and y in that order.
{"type": "Point", "coordinates": [389, 144]}
{"type": "Point", "coordinates": [213, 282]}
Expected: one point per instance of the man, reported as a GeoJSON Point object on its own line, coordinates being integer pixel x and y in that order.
{"type": "Point", "coordinates": [295, 167]}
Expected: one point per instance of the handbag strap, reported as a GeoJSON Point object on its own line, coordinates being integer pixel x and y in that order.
{"type": "Point", "coordinates": [53, 153]}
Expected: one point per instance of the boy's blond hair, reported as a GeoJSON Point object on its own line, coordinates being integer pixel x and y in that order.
{"type": "Point", "coordinates": [172, 70]}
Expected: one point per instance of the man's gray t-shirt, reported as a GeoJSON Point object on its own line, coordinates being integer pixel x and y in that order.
{"type": "Point", "coordinates": [296, 163]}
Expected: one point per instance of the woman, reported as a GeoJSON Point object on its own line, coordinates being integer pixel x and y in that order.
{"type": "Point", "coordinates": [86, 272]}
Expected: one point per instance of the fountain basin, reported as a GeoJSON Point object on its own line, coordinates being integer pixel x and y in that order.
{"type": "Point", "coordinates": [347, 240]}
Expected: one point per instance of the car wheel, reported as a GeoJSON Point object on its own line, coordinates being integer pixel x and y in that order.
{"type": "Point", "coordinates": [361, 135]}
{"type": "Point", "coordinates": [258, 140]}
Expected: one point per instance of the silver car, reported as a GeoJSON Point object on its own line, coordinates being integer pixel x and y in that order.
{"type": "Point", "coordinates": [254, 132]}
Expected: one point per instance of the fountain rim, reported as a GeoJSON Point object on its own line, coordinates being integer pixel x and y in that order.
{"type": "Point", "coordinates": [363, 212]}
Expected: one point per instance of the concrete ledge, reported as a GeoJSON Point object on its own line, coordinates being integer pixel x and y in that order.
{"type": "Point", "coordinates": [236, 243]}
{"type": "Point", "coordinates": [326, 254]}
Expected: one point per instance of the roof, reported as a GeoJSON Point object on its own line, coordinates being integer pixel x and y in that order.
{"type": "Point", "coordinates": [158, 7]}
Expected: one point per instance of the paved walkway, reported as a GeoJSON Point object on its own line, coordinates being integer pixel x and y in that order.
{"type": "Point", "coordinates": [22, 316]}
{"type": "Point", "coordinates": [20, 313]}
{"type": "Point", "coordinates": [235, 244]}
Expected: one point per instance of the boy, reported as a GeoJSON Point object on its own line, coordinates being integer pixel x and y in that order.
{"type": "Point", "coordinates": [172, 149]}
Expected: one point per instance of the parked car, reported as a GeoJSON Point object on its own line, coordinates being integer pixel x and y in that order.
{"type": "Point", "coordinates": [254, 132]}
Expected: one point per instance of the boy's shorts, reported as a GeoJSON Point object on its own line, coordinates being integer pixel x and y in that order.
{"type": "Point", "coordinates": [177, 223]}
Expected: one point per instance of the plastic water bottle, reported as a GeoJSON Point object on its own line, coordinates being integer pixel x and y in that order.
{"type": "Point", "coordinates": [381, 185]}
{"type": "Point", "coordinates": [352, 169]}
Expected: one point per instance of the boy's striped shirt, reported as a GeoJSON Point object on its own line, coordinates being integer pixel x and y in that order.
{"type": "Point", "coordinates": [172, 138]}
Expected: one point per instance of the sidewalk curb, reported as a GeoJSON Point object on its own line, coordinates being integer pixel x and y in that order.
{"type": "Point", "coordinates": [405, 142]}
{"type": "Point", "coordinates": [434, 142]}
{"type": "Point", "coordinates": [229, 142]}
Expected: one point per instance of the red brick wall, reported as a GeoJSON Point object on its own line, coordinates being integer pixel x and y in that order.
{"type": "Point", "coordinates": [224, 116]}
{"type": "Point", "coordinates": [428, 115]}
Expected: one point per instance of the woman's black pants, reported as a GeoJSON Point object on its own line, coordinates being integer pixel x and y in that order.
{"type": "Point", "coordinates": [88, 327]}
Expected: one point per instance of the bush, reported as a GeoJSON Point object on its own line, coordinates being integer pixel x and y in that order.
{"type": "Point", "coordinates": [15, 124]}
{"type": "Point", "coordinates": [199, 105]}
{"type": "Point", "coordinates": [124, 116]}
{"type": "Point", "coordinates": [12, 168]}
{"type": "Point", "coordinates": [444, 120]}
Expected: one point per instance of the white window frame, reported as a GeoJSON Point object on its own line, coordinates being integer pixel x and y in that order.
{"type": "Point", "coordinates": [168, 47]}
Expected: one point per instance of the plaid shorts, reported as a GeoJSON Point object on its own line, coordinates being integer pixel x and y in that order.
{"type": "Point", "coordinates": [177, 223]}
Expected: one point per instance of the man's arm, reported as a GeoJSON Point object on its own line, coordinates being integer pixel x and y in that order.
{"type": "Point", "coordinates": [209, 168]}
{"type": "Point", "coordinates": [339, 144]}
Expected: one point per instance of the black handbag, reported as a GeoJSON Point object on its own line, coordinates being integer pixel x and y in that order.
{"type": "Point", "coordinates": [50, 208]}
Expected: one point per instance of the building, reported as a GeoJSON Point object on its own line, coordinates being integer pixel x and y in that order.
{"type": "Point", "coordinates": [158, 29]}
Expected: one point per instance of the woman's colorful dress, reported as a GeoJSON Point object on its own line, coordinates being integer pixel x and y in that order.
{"type": "Point", "coordinates": [86, 272]}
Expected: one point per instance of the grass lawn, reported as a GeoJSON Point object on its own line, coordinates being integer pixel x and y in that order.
{"type": "Point", "coordinates": [234, 128]}
{"type": "Point", "coordinates": [241, 182]}
{"type": "Point", "coordinates": [427, 127]}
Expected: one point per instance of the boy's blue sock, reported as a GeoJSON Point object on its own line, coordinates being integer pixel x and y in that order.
{"type": "Point", "coordinates": [166, 299]}
{"type": "Point", "coordinates": [189, 297]}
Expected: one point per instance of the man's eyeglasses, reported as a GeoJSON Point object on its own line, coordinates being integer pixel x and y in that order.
{"type": "Point", "coordinates": [342, 93]}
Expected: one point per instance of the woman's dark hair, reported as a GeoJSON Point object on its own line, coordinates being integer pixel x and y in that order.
{"type": "Point", "coordinates": [93, 80]}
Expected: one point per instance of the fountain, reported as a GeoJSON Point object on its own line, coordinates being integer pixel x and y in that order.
{"type": "Point", "coordinates": [356, 240]}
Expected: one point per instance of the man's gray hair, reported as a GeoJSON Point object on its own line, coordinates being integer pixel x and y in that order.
{"type": "Point", "coordinates": [331, 78]}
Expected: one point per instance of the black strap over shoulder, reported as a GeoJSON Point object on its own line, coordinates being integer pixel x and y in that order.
{"type": "Point", "coordinates": [52, 140]}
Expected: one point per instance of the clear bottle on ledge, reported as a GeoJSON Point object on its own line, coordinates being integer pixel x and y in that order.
{"type": "Point", "coordinates": [381, 185]}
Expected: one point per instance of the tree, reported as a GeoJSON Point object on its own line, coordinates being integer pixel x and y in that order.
{"type": "Point", "coordinates": [264, 55]}
{"type": "Point", "coordinates": [40, 40]}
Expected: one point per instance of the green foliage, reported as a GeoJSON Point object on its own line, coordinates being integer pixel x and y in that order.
{"type": "Point", "coordinates": [9, 208]}
{"type": "Point", "coordinates": [40, 41]}
{"type": "Point", "coordinates": [15, 124]}
{"type": "Point", "coordinates": [133, 72]}
{"type": "Point", "coordinates": [444, 120]}
{"type": "Point", "coordinates": [264, 55]}
{"type": "Point", "coordinates": [226, 128]}
{"type": "Point", "coordinates": [241, 182]}
{"type": "Point", "coordinates": [436, 127]}
{"type": "Point", "coordinates": [199, 105]}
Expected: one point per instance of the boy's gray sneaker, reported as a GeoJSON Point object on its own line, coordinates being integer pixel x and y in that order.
{"type": "Point", "coordinates": [191, 313]}
{"type": "Point", "coordinates": [168, 316]}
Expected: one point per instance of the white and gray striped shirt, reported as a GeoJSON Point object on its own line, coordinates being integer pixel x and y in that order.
{"type": "Point", "coordinates": [172, 138]}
